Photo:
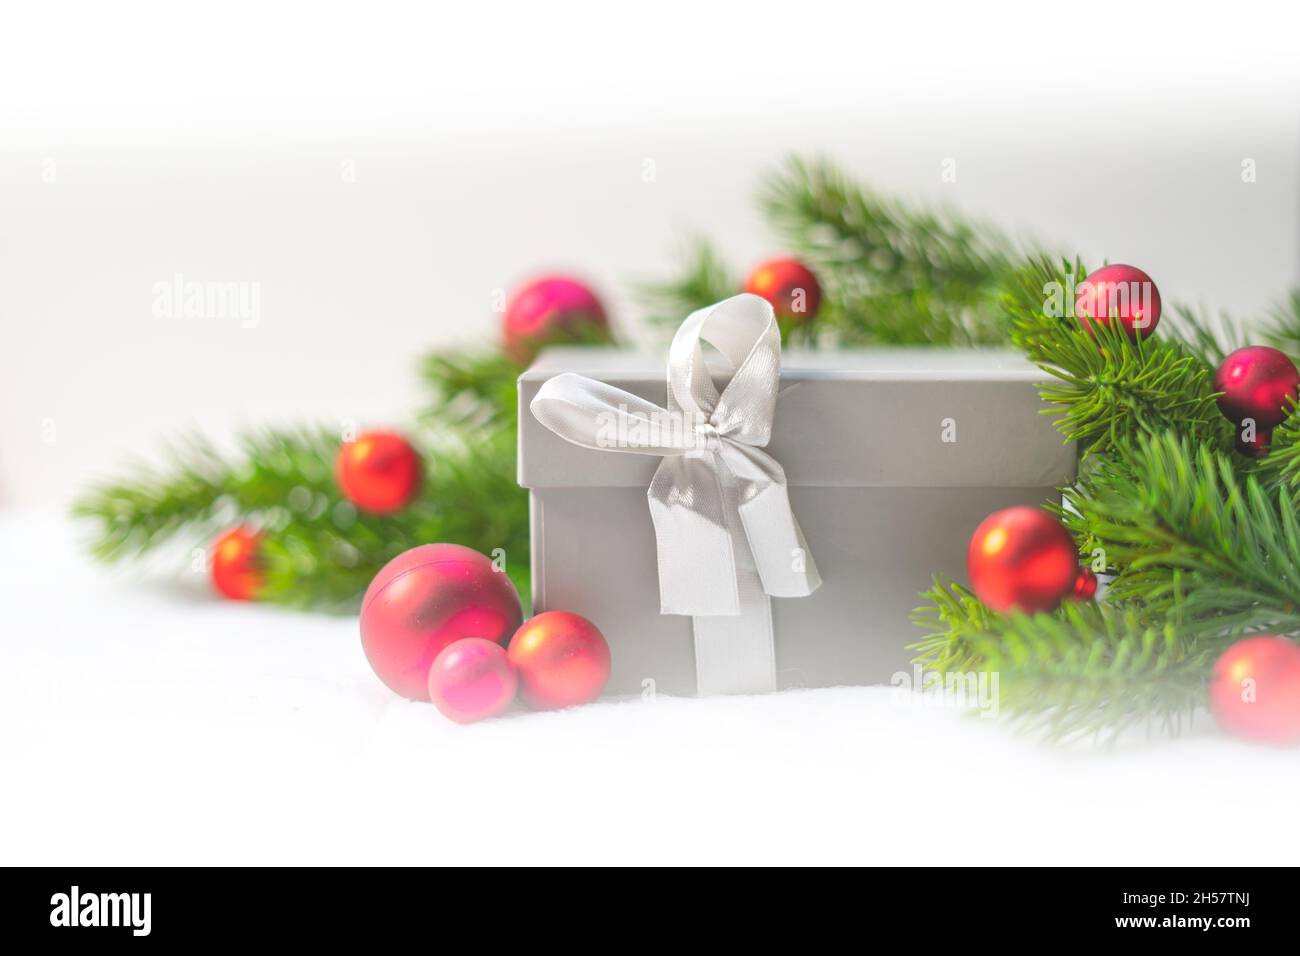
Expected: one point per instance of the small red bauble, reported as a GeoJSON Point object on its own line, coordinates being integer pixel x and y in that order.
{"type": "Point", "coordinates": [472, 679]}
{"type": "Point", "coordinates": [423, 600]}
{"type": "Point", "coordinates": [1255, 690]}
{"type": "Point", "coordinates": [1255, 447]}
{"type": "Point", "coordinates": [789, 286]}
{"type": "Point", "coordinates": [548, 310]}
{"type": "Point", "coordinates": [236, 564]}
{"type": "Point", "coordinates": [379, 472]}
{"type": "Point", "coordinates": [1022, 559]}
{"type": "Point", "coordinates": [1085, 585]}
{"type": "Point", "coordinates": [562, 660]}
{"type": "Point", "coordinates": [1124, 290]}
{"type": "Point", "coordinates": [1259, 383]}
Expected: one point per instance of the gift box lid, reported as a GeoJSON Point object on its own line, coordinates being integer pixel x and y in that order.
{"type": "Point", "coordinates": [893, 417]}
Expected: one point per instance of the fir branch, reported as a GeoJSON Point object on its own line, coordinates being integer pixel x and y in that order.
{"type": "Point", "coordinates": [1187, 533]}
{"type": "Point", "coordinates": [1107, 389]}
{"type": "Point", "coordinates": [319, 551]}
{"type": "Point", "coordinates": [892, 274]}
{"type": "Point", "coordinates": [1085, 670]}
{"type": "Point", "coordinates": [1283, 328]}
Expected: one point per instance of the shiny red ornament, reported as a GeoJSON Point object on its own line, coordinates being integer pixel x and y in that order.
{"type": "Point", "coordinates": [379, 472]}
{"type": "Point", "coordinates": [1255, 690]}
{"type": "Point", "coordinates": [1257, 383]}
{"type": "Point", "coordinates": [562, 660]}
{"type": "Point", "coordinates": [1085, 585]}
{"type": "Point", "coordinates": [1022, 559]}
{"type": "Point", "coordinates": [472, 679]}
{"type": "Point", "coordinates": [1126, 291]}
{"type": "Point", "coordinates": [549, 310]}
{"type": "Point", "coordinates": [236, 564]}
{"type": "Point", "coordinates": [423, 600]}
{"type": "Point", "coordinates": [789, 286]}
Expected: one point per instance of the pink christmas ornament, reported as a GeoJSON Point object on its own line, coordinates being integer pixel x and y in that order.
{"type": "Point", "coordinates": [472, 679]}
{"type": "Point", "coordinates": [425, 599]}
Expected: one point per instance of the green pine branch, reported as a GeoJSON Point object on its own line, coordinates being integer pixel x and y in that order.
{"type": "Point", "coordinates": [1187, 533]}
{"type": "Point", "coordinates": [1085, 670]}
{"type": "Point", "coordinates": [704, 279]}
{"type": "Point", "coordinates": [892, 274]}
{"type": "Point", "coordinates": [1107, 390]}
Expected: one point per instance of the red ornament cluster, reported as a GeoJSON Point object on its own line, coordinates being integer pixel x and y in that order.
{"type": "Point", "coordinates": [435, 623]}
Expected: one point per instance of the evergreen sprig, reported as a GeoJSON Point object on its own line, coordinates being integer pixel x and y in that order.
{"type": "Point", "coordinates": [1086, 670]}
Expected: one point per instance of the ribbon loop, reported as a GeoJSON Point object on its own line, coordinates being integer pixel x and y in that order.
{"type": "Point", "coordinates": [726, 535]}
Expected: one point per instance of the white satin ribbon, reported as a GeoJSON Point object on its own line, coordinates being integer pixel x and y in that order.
{"type": "Point", "coordinates": [727, 538]}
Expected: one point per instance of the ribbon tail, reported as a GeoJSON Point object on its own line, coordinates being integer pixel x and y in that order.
{"type": "Point", "coordinates": [737, 654]}
{"type": "Point", "coordinates": [696, 548]}
{"type": "Point", "coordinates": [785, 565]}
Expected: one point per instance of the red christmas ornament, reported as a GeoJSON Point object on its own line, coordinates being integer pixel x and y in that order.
{"type": "Point", "coordinates": [1022, 559]}
{"type": "Point", "coordinates": [236, 564]}
{"type": "Point", "coordinates": [1255, 690]}
{"type": "Point", "coordinates": [1254, 447]}
{"type": "Point", "coordinates": [1085, 585]}
{"type": "Point", "coordinates": [548, 310]}
{"type": "Point", "coordinates": [562, 660]}
{"type": "Point", "coordinates": [472, 679]}
{"type": "Point", "coordinates": [789, 285]}
{"type": "Point", "coordinates": [379, 472]}
{"type": "Point", "coordinates": [1126, 291]}
{"type": "Point", "coordinates": [425, 599]}
{"type": "Point", "coordinates": [1257, 383]}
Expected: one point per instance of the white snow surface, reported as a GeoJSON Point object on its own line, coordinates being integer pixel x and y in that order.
{"type": "Point", "coordinates": [145, 722]}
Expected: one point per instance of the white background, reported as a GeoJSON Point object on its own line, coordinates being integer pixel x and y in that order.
{"type": "Point", "coordinates": [489, 143]}
{"type": "Point", "coordinates": [150, 724]}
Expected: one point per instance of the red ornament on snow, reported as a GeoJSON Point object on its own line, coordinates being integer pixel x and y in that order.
{"type": "Point", "coordinates": [548, 310]}
{"type": "Point", "coordinates": [379, 472]}
{"type": "Point", "coordinates": [1085, 585]}
{"type": "Point", "coordinates": [789, 286]}
{"type": "Point", "coordinates": [236, 564]}
{"type": "Point", "coordinates": [1125, 291]}
{"type": "Point", "coordinates": [1255, 690]}
{"type": "Point", "coordinates": [562, 660]}
{"type": "Point", "coordinates": [1258, 383]}
{"type": "Point", "coordinates": [1022, 559]}
{"type": "Point", "coordinates": [472, 679]}
{"type": "Point", "coordinates": [425, 599]}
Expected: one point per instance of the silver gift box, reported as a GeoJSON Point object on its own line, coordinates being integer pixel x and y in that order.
{"type": "Point", "coordinates": [893, 457]}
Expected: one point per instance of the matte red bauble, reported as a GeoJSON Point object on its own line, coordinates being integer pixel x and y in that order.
{"type": "Point", "coordinates": [1257, 382]}
{"type": "Point", "coordinates": [789, 286]}
{"type": "Point", "coordinates": [423, 600]}
{"type": "Point", "coordinates": [1256, 446]}
{"type": "Point", "coordinates": [379, 472]}
{"type": "Point", "coordinates": [562, 660]}
{"type": "Point", "coordinates": [1126, 291]}
{"type": "Point", "coordinates": [1022, 559]}
{"type": "Point", "coordinates": [472, 679]}
{"type": "Point", "coordinates": [236, 564]}
{"type": "Point", "coordinates": [1085, 585]}
{"type": "Point", "coordinates": [1255, 690]}
{"type": "Point", "coordinates": [549, 310]}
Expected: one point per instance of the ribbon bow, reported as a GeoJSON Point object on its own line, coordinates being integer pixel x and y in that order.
{"type": "Point", "coordinates": [727, 537]}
